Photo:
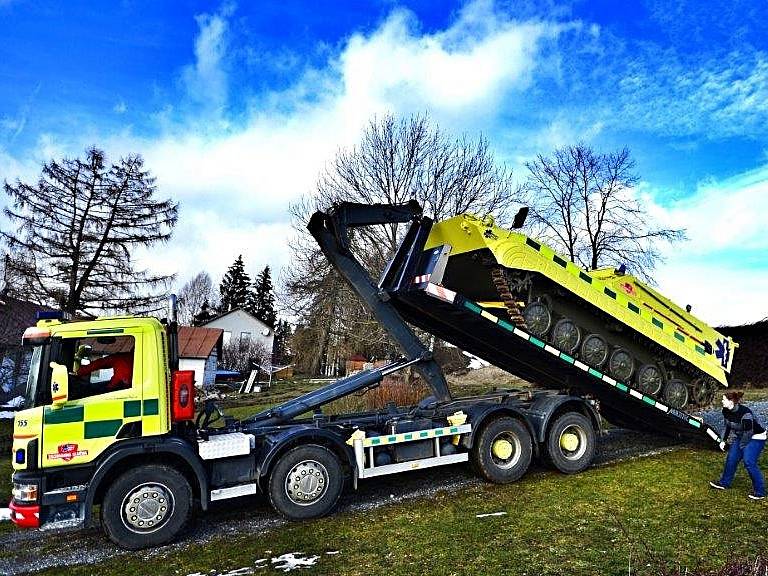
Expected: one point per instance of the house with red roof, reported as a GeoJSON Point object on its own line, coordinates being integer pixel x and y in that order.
{"type": "Point", "coordinates": [199, 350]}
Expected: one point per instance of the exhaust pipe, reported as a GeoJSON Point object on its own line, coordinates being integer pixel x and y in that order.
{"type": "Point", "coordinates": [173, 333]}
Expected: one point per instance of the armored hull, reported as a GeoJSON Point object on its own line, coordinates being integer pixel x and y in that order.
{"type": "Point", "coordinates": [608, 319]}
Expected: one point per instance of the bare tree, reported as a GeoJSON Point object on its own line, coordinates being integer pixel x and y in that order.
{"type": "Point", "coordinates": [394, 162]}
{"type": "Point", "coordinates": [244, 356]}
{"type": "Point", "coordinates": [75, 230]}
{"type": "Point", "coordinates": [584, 204]}
{"type": "Point", "coordinates": [193, 295]}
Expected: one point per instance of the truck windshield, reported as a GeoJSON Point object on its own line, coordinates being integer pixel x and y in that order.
{"type": "Point", "coordinates": [34, 376]}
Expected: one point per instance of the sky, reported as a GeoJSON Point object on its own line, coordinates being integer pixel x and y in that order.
{"type": "Point", "coordinates": [237, 107]}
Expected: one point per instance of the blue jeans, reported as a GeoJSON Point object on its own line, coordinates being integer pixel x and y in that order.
{"type": "Point", "coordinates": [750, 453]}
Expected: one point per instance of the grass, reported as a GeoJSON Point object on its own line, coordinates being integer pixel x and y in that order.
{"type": "Point", "coordinates": [652, 514]}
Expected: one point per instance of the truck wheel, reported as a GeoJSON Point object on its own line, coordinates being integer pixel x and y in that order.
{"type": "Point", "coordinates": [503, 450]}
{"type": "Point", "coordinates": [571, 443]}
{"type": "Point", "coordinates": [306, 482]}
{"type": "Point", "coordinates": [146, 506]}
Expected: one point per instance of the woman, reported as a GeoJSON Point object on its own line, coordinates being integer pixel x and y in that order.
{"type": "Point", "coordinates": [749, 442]}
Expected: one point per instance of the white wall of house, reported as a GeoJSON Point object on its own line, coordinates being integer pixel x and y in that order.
{"type": "Point", "coordinates": [238, 325]}
{"type": "Point", "coordinates": [196, 364]}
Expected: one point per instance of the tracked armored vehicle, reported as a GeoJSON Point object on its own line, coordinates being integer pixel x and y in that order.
{"type": "Point", "coordinates": [606, 318]}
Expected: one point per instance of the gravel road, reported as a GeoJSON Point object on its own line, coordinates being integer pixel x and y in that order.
{"type": "Point", "coordinates": [34, 550]}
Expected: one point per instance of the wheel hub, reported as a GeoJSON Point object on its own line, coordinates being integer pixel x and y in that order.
{"type": "Point", "coordinates": [147, 507]}
{"type": "Point", "coordinates": [569, 441]}
{"type": "Point", "coordinates": [306, 482]}
{"type": "Point", "coordinates": [573, 442]}
{"type": "Point", "coordinates": [502, 449]}
{"type": "Point", "coordinates": [506, 450]}
{"type": "Point", "coordinates": [594, 350]}
{"type": "Point", "coordinates": [537, 318]}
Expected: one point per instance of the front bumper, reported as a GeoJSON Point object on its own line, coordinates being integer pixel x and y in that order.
{"type": "Point", "coordinates": [25, 516]}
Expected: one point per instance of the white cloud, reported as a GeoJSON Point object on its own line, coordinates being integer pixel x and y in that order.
{"type": "Point", "coordinates": [718, 97]}
{"type": "Point", "coordinates": [722, 270]}
{"type": "Point", "coordinates": [206, 80]}
{"type": "Point", "coordinates": [725, 215]}
{"type": "Point", "coordinates": [233, 180]}
{"type": "Point", "coordinates": [211, 240]}
{"type": "Point", "coordinates": [472, 63]}
{"type": "Point", "coordinates": [120, 108]}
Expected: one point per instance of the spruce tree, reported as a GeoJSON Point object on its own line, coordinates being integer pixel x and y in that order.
{"type": "Point", "coordinates": [204, 315]}
{"type": "Point", "coordinates": [234, 287]}
{"type": "Point", "coordinates": [73, 234]}
{"type": "Point", "coordinates": [262, 304]}
{"type": "Point", "coordinates": [282, 353]}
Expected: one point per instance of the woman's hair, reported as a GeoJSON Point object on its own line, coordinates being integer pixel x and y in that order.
{"type": "Point", "coordinates": [734, 396]}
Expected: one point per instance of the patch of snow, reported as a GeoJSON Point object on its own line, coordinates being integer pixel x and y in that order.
{"type": "Point", "coordinates": [6, 415]}
{"type": "Point", "coordinates": [284, 562]}
{"type": "Point", "coordinates": [333, 552]}
{"type": "Point", "coordinates": [245, 571]}
{"type": "Point", "coordinates": [490, 514]}
{"type": "Point", "coordinates": [5, 514]}
{"type": "Point", "coordinates": [293, 561]}
{"type": "Point", "coordinates": [475, 362]}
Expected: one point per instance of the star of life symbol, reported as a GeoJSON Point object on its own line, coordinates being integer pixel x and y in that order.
{"type": "Point", "coordinates": [67, 452]}
{"type": "Point", "coordinates": [628, 288]}
{"type": "Point", "coordinates": [55, 387]}
{"type": "Point", "coordinates": [723, 351]}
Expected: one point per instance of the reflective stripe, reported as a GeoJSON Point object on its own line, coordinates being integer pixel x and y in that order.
{"type": "Point", "coordinates": [596, 373]}
{"type": "Point", "coordinates": [416, 435]}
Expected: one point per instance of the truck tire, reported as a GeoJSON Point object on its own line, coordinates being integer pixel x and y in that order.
{"type": "Point", "coordinates": [571, 443]}
{"type": "Point", "coordinates": [306, 482]}
{"type": "Point", "coordinates": [146, 506]}
{"type": "Point", "coordinates": [502, 451]}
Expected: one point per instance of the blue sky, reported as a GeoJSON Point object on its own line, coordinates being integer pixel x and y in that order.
{"type": "Point", "coordinates": [237, 106]}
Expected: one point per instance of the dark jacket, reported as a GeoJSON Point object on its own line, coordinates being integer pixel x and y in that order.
{"type": "Point", "coordinates": [743, 423]}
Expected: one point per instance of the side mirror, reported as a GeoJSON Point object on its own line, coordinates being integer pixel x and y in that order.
{"type": "Point", "coordinates": [59, 385]}
{"type": "Point", "coordinates": [83, 353]}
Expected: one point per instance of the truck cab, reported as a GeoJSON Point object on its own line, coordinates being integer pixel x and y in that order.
{"type": "Point", "coordinates": [92, 385]}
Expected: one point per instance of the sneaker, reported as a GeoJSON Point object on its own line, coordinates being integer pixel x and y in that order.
{"type": "Point", "coordinates": [755, 497]}
{"type": "Point", "coordinates": [718, 486]}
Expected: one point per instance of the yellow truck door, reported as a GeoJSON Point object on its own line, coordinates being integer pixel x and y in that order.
{"type": "Point", "coordinates": [106, 376]}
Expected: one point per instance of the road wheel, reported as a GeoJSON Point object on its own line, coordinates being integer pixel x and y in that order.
{"type": "Point", "coordinates": [147, 506]}
{"type": "Point", "coordinates": [503, 450]}
{"type": "Point", "coordinates": [571, 443]}
{"type": "Point", "coordinates": [594, 350]}
{"type": "Point", "coordinates": [649, 379]}
{"type": "Point", "coordinates": [703, 391]}
{"type": "Point", "coordinates": [538, 319]}
{"type": "Point", "coordinates": [676, 393]}
{"type": "Point", "coordinates": [621, 365]}
{"type": "Point", "coordinates": [306, 482]}
{"type": "Point", "coordinates": [566, 335]}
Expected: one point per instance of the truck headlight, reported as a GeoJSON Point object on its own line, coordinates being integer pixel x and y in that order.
{"type": "Point", "coordinates": [24, 492]}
